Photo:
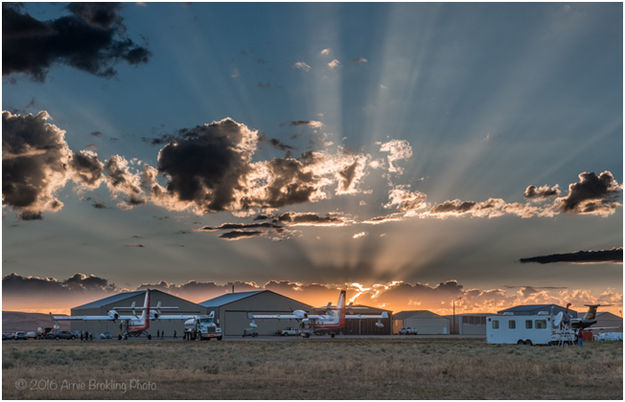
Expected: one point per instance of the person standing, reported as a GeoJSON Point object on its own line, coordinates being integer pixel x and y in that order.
{"type": "Point", "coordinates": [580, 337]}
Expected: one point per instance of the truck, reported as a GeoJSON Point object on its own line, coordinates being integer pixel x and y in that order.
{"type": "Point", "coordinates": [202, 327]}
{"type": "Point", "coordinates": [543, 328]}
{"type": "Point", "coordinates": [289, 332]}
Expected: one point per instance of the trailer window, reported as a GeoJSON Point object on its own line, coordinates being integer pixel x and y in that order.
{"type": "Point", "coordinates": [495, 324]}
{"type": "Point", "coordinates": [541, 324]}
{"type": "Point", "coordinates": [512, 324]}
{"type": "Point", "coordinates": [528, 324]}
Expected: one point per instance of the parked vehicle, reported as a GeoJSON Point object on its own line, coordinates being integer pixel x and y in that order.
{"type": "Point", "coordinates": [63, 335]}
{"type": "Point", "coordinates": [540, 329]}
{"type": "Point", "coordinates": [290, 332]}
{"type": "Point", "coordinates": [106, 335]}
{"type": "Point", "coordinates": [31, 335]}
{"type": "Point", "coordinates": [202, 327]}
{"type": "Point", "coordinates": [7, 336]}
{"type": "Point", "coordinates": [20, 335]}
{"type": "Point", "coordinates": [408, 331]}
{"type": "Point", "coordinates": [251, 333]}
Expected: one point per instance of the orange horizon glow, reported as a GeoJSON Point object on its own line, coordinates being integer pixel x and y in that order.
{"type": "Point", "coordinates": [470, 301]}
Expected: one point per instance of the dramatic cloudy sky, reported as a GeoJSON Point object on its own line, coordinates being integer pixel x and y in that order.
{"type": "Point", "coordinates": [416, 153]}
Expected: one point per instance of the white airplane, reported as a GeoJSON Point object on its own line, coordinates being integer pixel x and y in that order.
{"type": "Point", "coordinates": [132, 324]}
{"type": "Point", "coordinates": [331, 322]}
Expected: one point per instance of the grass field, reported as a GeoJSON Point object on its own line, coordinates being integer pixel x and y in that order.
{"type": "Point", "coordinates": [364, 368]}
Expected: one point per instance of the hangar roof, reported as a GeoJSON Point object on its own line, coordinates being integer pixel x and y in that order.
{"type": "Point", "coordinates": [111, 299]}
{"type": "Point", "coordinates": [229, 298]}
{"type": "Point", "coordinates": [402, 315]}
{"type": "Point", "coordinates": [533, 309]}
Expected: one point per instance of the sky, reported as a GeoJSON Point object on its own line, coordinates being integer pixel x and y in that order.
{"type": "Point", "coordinates": [411, 153]}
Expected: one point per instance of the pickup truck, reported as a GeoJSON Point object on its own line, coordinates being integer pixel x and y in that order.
{"type": "Point", "coordinates": [290, 332]}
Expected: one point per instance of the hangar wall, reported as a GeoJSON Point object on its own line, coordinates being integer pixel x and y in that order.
{"type": "Point", "coordinates": [102, 306]}
{"type": "Point", "coordinates": [233, 308]}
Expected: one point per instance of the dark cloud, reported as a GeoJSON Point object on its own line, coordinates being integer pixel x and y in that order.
{"type": "Point", "coordinates": [158, 140]}
{"type": "Point", "coordinates": [200, 291]}
{"type": "Point", "coordinates": [310, 218]}
{"type": "Point", "coordinates": [276, 226]}
{"type": "Point", "coordinates": [591, 195]}
{"type": "Point", "coordinates": [35, 163]}
{"type": "Point", "coordinates": [535, 287]}
{"type": "Point", "coordinates": [541, 192]}
{"type": "Point", "coordinates": [97, 204]}
{"type": "Point", "coordinates": [274, 142]}
{"type": "Point", "coordinates": [277, 144]}
{"type": "Point", "coordinates": [289, 184]}
{"type": "Point", "coordinates": [238, 226]}
{"type": "Point", "coordinates": [90, 39]}
{"type": "Point", "coordinates": [455, 206]}
{"type": "Point", "coordinates": [311, 123]}
{"type": "Point", "coordinates": [348, 174]}
{"type": "Point", "coordinates": [123, 184]}
{"type": "Point", "coordinates": [588, 257]}
{"type": "Point", "coordinates": [17, 284]}
{"type": "Point", "coordinates": [207, 164]}
{"type": "Point", "coordinates": [31, 216]}
{"type": "Point", "coordinates": [101, 15]}
{"type": "Point", "coordinates": [241, 234]}
{"type": "Point", "coordinates": [87, 168]}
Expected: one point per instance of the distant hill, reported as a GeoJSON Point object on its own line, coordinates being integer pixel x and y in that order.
{"type": "Point", "coordinates": [17, 321]}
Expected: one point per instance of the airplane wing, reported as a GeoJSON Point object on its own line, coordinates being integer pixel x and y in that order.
{"type": "Point", "coordinates": [176, 317]}
{"type": "Point", "coordinates": [598, 328]}
{"type": "Point", "coordinates": [283, 316]}
{"type": "Point", "coordinates": [361, 316]}
{"type": "Point", "coordinates": [277, 316]}
{"type": "Point", "coordinates": [91, 317]}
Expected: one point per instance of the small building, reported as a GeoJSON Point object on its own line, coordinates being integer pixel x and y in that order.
{"type": "Point", "coordinates": [423, 321]}
{"type": "Point", "coordinates": [607, 322]}
{"type": "Point", "coordinates": [232, 310]}
{"type": "Point", "coordinates": [471, 324]}
{"type": "Point", "coordinates": [103, 306]}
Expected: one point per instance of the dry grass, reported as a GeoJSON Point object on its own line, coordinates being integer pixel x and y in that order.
{"type": "Point", "coordinates": [316, 369]}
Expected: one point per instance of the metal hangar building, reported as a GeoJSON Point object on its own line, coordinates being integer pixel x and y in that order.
{"type": "Point", "coordinates": [232, 311]}
{"type": "Point", "coordinates": [425, 322]}
{"type": "Point", "coordinates": [102, 307]}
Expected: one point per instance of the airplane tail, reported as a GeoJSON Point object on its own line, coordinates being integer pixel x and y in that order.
{"type": "Point", "coordinates": [341, 304]}
{"type": "Point", "coordinates": [341, 307]}
{"type": "Point", "coordinates": [591, 314]}
{"type": "Point", "coordinates": [146, 308]}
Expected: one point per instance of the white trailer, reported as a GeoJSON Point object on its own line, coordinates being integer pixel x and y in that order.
{"type": "Point", "coordinates": [540, 329]}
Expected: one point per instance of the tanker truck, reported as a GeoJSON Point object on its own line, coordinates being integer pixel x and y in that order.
{"type": "Point", "coordinates": [202, 327]}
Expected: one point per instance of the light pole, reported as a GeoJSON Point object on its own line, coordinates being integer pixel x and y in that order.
{"type": "Point", "coordinates": [454, 327]}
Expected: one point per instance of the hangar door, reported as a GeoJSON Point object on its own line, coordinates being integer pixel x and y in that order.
{"type": "Point", "coordinates": [237, 321]}
{"type": "Point", "coordinates": [428, 326]}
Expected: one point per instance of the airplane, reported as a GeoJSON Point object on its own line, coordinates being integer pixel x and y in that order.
{"type": "Point", "coordinates": [589, 318]}
{"type": "Point", "coordinates": [133, 324]}
{"type": "Point", "coordinates": [580, 323]}
{"type": "Point", "coordinates": [331, 322]}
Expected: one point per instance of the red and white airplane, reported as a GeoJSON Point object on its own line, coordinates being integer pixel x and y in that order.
{"type": "Point", "coordinates": [331, 322]}
{"type": "Point", "coordinates": [131, 324]}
